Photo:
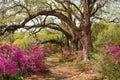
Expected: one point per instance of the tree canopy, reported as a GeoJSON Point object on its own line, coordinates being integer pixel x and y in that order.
{"type": "Point", "coordinates": [72, 18]}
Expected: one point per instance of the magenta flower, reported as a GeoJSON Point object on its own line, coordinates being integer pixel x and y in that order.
{"type": "Point", "coordinates": [13, 59]}
{"type": "Point", "coordinates": [115, 50]}
{"type": "Point", "coordinates": [2, 66]}
{"type": "Point", "coordinates": [10, 68]}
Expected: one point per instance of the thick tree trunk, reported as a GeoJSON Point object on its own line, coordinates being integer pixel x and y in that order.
{"type": "Point", "coordinates": [86, 37]}
{"type": "Point", "coordinates": [86, 31]}
{"type": "Point", "coordinates": [87, 44]}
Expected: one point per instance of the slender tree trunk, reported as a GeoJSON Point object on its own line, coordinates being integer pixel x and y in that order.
{"type": "Point", "coordinates": [75, 40]}
{"type": "Point", "coordinates": [66, 45]}
{"type": "Point", "coordinates": [75, 45]}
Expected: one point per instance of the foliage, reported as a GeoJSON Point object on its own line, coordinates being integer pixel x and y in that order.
{"type": "Point", "coordinates": [64, 56]}
{"type": "Point", "coordinates": [110, 65]}
{"type": "Point", "coordinates": [67, 56]}
{"type": "Point", "coordinates": [23, 39]}
{"type": "Point", "coordinates": [105, 32]}
{"type": "Point", "coordinates": [87, 67]}
{"type": "Point", "coordinates": [98, 56]}
{"type": "Point", "coordinates": [14, 62]}
{"type": "Point", "coordinates": [110, 68]}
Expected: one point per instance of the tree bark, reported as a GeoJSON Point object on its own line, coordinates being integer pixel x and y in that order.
{"type": "Point", "coordinates": [87, 45]}
{"type": "Point", "coordinates": [86, 41]}
{"type": "Point", "coordinates": [75, 45]}
{"type": "Point", "coordinates": [86, 31]}
{"type": "Point", "coordinates": [86, 37]}
{"type": "Point", "coordinates": [75, 39]}
{"type": "Point", "coordinates": [66, 44]}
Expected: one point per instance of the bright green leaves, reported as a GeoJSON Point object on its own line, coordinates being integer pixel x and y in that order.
{"type": "Point", "coordinates": [102, 32]}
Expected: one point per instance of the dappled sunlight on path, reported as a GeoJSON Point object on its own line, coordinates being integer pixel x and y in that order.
{"type": "Point", "coordinates": [61, 71]}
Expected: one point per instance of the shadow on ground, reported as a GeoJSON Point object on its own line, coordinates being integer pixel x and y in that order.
{"type": "Point", "coordinates": [61, 71]}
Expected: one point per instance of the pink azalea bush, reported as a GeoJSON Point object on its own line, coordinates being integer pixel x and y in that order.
{"type": "Point", "coordinates": [13, 60]}
{"type": "Point", "coordinates": [67, 56]}
{"type": "Point", "coordinates": [114, 50]}
{"type": "Point", "coordinates": [36, 63]}
{"type": "Point", "coordinates": [111, 63]}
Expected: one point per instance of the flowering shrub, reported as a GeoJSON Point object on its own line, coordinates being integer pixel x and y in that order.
{"type": "Point", "coordinates": [110, 67]}
{"type": "Point", "coordinates": [114, 50]}
{"type": "Point", "coordinates": [109, 43]}
{"type": "Point", "coordinates": [35, 61]}
{"type": "Point", "coordinates": [66, 56]}
{"type": "Point", "coordinates": [13, 60]}
{"type": "Point", "coordinates": [111, 63]}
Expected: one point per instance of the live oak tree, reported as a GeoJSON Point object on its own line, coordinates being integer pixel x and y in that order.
{"type": "Point", "coordinates": [74, 18]}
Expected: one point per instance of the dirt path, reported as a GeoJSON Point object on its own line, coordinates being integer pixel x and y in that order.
{"type": "Point", "coordinates": [61, 71]}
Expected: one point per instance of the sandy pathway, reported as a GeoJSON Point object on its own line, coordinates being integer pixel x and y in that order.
{"type": "Point", "coordinates": [61, 71]}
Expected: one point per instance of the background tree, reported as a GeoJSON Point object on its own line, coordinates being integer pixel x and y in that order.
{"type": "Point", "coordinates": [75, 17]}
